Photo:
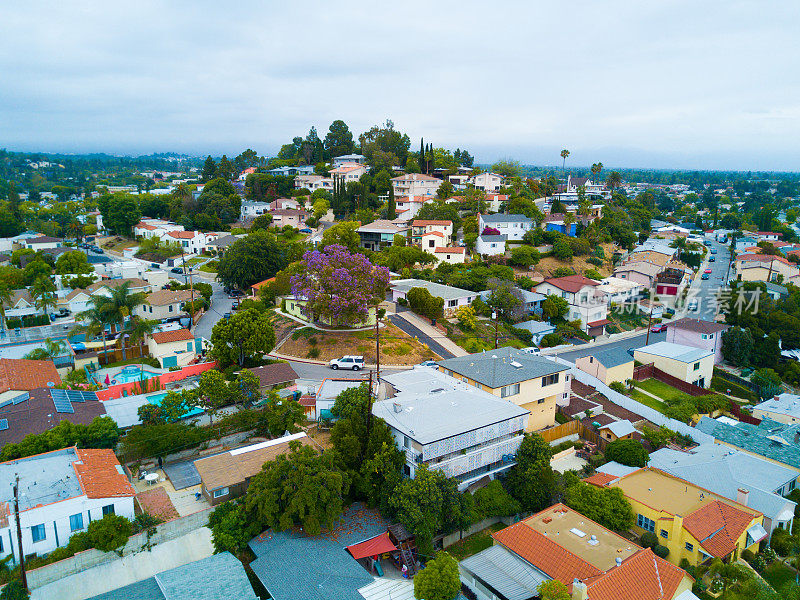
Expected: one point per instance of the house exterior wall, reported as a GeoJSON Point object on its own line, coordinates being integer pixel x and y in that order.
{"type": "Point", "coordinates": [711, 341]}
{"type": "Point", "coordinates": [182, 350]}
{"type": "Point", "coordinates": [635, 276]}
{"type": "Point", "coordinates": [760, 413]}
{"type": "Point", "coordinates": [453, 258]}
{"type": "Point", "coordinates": [683, 371]}
{"type": "Point", "coordinates": [489, 248]}
{"type": "Point", "coordinates": [512, 229]}
{"type": "Point", "coordinates": [165, 311]}
{"type": "Point", "coordinates": [55, 518]}
{"type": "Point", "coordinates": [294, 308]}
{"type": "Point", "coordinates": [409, 186]}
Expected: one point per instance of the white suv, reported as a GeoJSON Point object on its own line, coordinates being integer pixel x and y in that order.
{"type": "Point", "coordinates": [532, 350]}
{"type": "Point", "coordinates": [354, 363]}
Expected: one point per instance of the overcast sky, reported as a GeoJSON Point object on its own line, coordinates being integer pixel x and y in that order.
{"type": "Point", "coordinates": [672, 83]}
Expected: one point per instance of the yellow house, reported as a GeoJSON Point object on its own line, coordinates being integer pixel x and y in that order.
{"type": "Point", "coordinates": [687, 363]}
{"type": "Point", "coordinates": [175, 348]}
{"type": "Point", "coordinates": [294, 307]}
{"type": "Point", "coordinates": [692, 522]}
{"type": "Point", "coordinates": [607, 364]}
{"type": "Point", "coordinates": [532, 382]}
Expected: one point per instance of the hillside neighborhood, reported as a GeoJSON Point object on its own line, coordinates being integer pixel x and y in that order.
{"type": "Point", "coordinates": [562, 384]}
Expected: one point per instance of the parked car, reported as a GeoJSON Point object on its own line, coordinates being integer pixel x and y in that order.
{"type": "Point", "coordinates": [712, 259]}
{"type": "Point", "coordinates": [705, 276]}
{"type": "Point", "coordinates": [429, 363]}
{"type": "Point", "coordinates": [227, 315]}
{"type": "Point", "coordinates": [352, 362]}
{"type": "Point", "coordinates": [713, 251]}
{"type": "Point", "coordinates": [693, 304]}
{"type": "Point", "coordinates": [236, 293]}
{"type": "Point", "coordinates": [707, 271]}
{"type": "Point", "coordinates": [177, 270]}
{"type": "Point", "coordinates": [658, 328]}
{"type": "Point", "coordinates": [532, 350]}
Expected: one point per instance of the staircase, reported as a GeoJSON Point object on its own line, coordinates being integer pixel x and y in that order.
{"type": "Point", "coordinates": [408, 559]}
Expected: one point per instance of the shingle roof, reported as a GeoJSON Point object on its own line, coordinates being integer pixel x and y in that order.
{"type": "Point", "coordinates": [100, 474]}
{"type": "Point", "coordinates": [424, 222]}
{"type": "Point", "coordinates": [439, 290]}
{"type": "Point", "coordinates": [274, 374]}
{"type": "Point", "coordinates": [166, 297]}
{"type": "Point", "coordinates": [698, 325]}
{"type": "Point", "coordinates": [494, 368]}
{"type": "Point", "coordinates": [501, 218]}
{"type": "Point", "coordinates": [571, 283]}
{"type": "Point", "coordinates": [608, 356]}
{"type": "Point", "coordinates": [26, 375]}
{"type": "Point", "coordinates": [761, 439]}
{"type": "Point", "coordinates": [177, 335]}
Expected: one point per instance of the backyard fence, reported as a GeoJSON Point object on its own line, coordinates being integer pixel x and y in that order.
{"type": "Point", "coordinates": [642, 372]}
{"type": "Point", "coordinates": [736, 380]}
{"type": "Point", "coordinates": [744, 417]}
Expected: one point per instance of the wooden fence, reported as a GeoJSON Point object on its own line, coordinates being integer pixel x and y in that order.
{"type": "Point", "coordinates": [648, 371]}
{"type": "Point", "coordinates": [560, 431]}
{"type": "Point", "coordinates": [744, 417]}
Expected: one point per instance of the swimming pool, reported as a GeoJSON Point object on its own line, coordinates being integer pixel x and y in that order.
{"type": "Point", "coordinates": [157, 398]}
{"type": "Point", "coordinates": [135, 375]}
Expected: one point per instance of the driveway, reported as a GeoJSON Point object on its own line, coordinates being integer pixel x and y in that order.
{"type": "Point", "coordinates": [414, 331]}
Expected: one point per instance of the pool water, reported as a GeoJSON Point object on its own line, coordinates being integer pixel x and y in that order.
{"type": "Point", "coordinates": [157, 398]}
{"type": "Point", "coordinates": [137, 375]}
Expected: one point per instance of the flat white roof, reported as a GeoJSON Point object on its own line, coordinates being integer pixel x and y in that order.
{"type": "Point", "coordinates": [677, 352]}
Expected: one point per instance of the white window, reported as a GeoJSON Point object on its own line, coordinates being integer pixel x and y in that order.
{"type": "Point", "coordinates": [219, 492]}
{"type": "Point", "coordinates": [509, 390]}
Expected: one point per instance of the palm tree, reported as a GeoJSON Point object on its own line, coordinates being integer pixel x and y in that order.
{"type": "Point", "coordinates": [6, 296]}
{"type": "Point", "coordinates": [139, 330]}
{"type": "Point", "coordinates": [564, 155]}
{"type": "Point", "coordinates": [42, 292]}
{"type": "Point", "coordinates": [569, 219]}
{"type": "Point", "coordinates": [52, 348]}
{"type": "Point", "coordinates": [596, 168]}
{"type": "Point", "coordinates": [119, 306]}
{"type": "Point", "coordinates": [613, 181]}
{"type": "Point", "coordinates": [93, 322]}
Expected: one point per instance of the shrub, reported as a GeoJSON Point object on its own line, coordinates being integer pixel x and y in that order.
{"type": "Point", "coordinates": [661, 551]}
{"type": "Point", "coordinates": [312, 340]}
{"type": "Point", "coordinates": [593, 274]}
{"type": "Point", "coordinates": [648, 540]}
{"type": "Point", "coordinates": [550, 340]}
{"type": "Point", "coordinates": [109, 533]}
{"type": "Point", "coordinates": [523, 334]}
{"type": "Point", "coordinates": [781, 541]}
{"type": "Point", "coordinates": [594, 261]}
{"type": "Point", "coordinates": [563, 272]}
{"type": "Point", "coordinates": [313, 352]}
{"type": "Point", "coordinates": [627, 452]}
{"type": "Point", "coordinates": [402, 302]}
{"type": "Point", "coordinates": [617, 386]}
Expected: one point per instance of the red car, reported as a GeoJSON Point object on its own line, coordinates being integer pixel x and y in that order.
{"type": "Point", "coordinates": [658, 328]}
{"type": "Point", "coordinates": [707, 271]}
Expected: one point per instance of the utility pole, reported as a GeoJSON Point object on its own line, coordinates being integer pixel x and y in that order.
{"type": "Point", "coordinates": [19, 534]}
{"type": "Point", "coordinates": [496, 328]}
{"type": "Point", "coordinates": [191, 287]}
{"type": "Point", "coordinates": [649, 320]}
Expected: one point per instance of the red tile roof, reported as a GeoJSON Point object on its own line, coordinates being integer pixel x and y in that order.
{"type": "Point", "coordinates": [454, 250]}
{"type": "Point", "coordinates": [177, 335]}
{"type": "Point", "coordinates": [101, 475]}
{"type": "Point", "coordinates": [423, 222]}
{"type": "Point", "coordinates": [643, 576]}
{"type": "Point", "coordinates": [26, 375]}
{"type": "Point", "coordinates": [717, 526]}
{"type": "Point", "coordinates": [183, 235]}
{"type": "Point", "coordinates": [600, 479]}
{"type": "Point", "coordinates": [763, 258]}
{"type": "Point", "coordinates": [571, 283]}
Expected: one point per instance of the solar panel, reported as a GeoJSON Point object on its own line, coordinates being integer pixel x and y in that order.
{"type": "Point", "coordinates": [74, 396]}
{"type": "Point", "coordinates": [6, 402]}
{"type": "Point", "coordinates": [58, 393]}
{"type": "Point", "coordinates": [21, 398]}
{"type": "Point", "coordinates": [91, 396]}
{"type": "Point", "coordinates": [63, 405]}
{"type": "Point", "coordinates": [3, 424]}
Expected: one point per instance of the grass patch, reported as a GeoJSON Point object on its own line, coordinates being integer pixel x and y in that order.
{"type": "Point", "coordinates": [669, 394]}
{"type": "Point", "coordinates": [647, 400]}
{"type": "Point", "coordinates": [194, 261]}
{"type": "Point", "coordinates": [719, 384]}
{"type": "Point", "coordinates": [210, 266]}
{"type": "Point", "coordinates": [305, 332]}
{"type": "Point", "coordinates": [778, 575]}
{"type": "Point", "coordinates": [477, 542]}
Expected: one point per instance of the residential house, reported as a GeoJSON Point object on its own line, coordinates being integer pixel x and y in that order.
{"type": "Point", "coordinates": [531, 302]}
{"type": "Point", "coordinates": [176, 348]}
{"type": "Point", "coordinates": [328, 391]}
{"type": "Point", "coordinates": [748, 479]}
{"type": "Point", "coordinates": [42, 408]}
{"type": "Point", "coordinates": [586, 303]}
{"type": "Point", "coordinates": [607, 363]}
{"type": "Point", "coordinates": [218, 577]}
{"type": "Point", "coordinates": [220, 244]}
{"type": "Point", "coordinates": [538, 329]}
{"type": "Point", "coordinates": [561, 544]}
{"type": "Point", "coordinates": [248, 171]}
{"type": "Point", "coordinates": [777, 442]}
{"type": "Point", "coordinates": [513, 227]}
{"type": "Point", "coordinates": [313, 183]}
{"type": "Point", "coordinates": [166, 304]}
{"type": "Point", "coordinates": [18, 376]}
{"type": "Point", "coordinates": [768, 236]}
{"type": "Point", "coordinates": [454, 298]}
{"type": "Point", "coordinates": [687, 363]}
{"type": "Point", "coordinates": [620, 291]}
{"type": "Point", "coordinates": [294, 307]}
{"type": "Point", "coordinates": [783, 408]}
{"type": "Point", "coordinates": [535, 383]}
{"type": "Point", "coordinates": [42, 242]}
{"type": "Point", "coordinates": [640, 272]}
{"type": "Point", "coordinates": [419, 228]}
{"type": "Point", "coordinates": [379, 234]}
{"type": "Point", "coordinates": [494, 202]}
{"type": "Point", "coordinates": [699, 334]}
{"type": "Point", "coordinates": [275, 375]}
{"type": "Point", "coordinates": [775, 291]}
{"type": "Point", "coordinates": [453, 255]}
{"type": "Point", "coordinates": [285, 203]}
{"type": "Point", "coordinates": [154, 228]}
{"type": "Point", "coordinates": [104, 286]}
{"type": "Point", "coordinates": [490, 245]}
{"type": "Point", "coordinates": [415, 184]}
{"type": "Point", "coordinates": [556, 222]}
{"type": "Point", "coordinates": [251, 209]}
{"type": "Point", "coordinates": [227, 475]}
{"type": "Point", "coordinates": [75, 301]}
{"type": "Point", "coordinates": [692, 522]}
{"type": "Point", "coordinates": [21, 305]}
{"type": "Point", "coordinates": [488, 182]}
{"type": "Point", "coordinates": [764, 267]}
{"type": "Point", "coordinates": [348, 172]}
{"type": "Point", "coordinates": [60, 493]}
{"type": "Point", "coordinates": [289, 216]}
{"type": "Point", "coordinates": [292, 171]}
{"type": "Point", "coordinates": [358, 159]}
{"type": "Point", "coordinates": [465, 432]}
{"type": "Point", "coordinates": [407, 207]}
{"type": "Point", "coordinates": [192, 242]}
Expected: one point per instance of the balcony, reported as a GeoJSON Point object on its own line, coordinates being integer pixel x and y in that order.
{"type": "Point", "coordinates": [484, 458]}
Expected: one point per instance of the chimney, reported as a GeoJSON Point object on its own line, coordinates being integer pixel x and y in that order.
{"type": "Point", "coordinates": [397, 408]}
{"type": "Point", "coordinates": [742, 496]}
{"type": "Point", "coordinates": [579, 591]}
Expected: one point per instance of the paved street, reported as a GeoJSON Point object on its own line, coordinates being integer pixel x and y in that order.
{"type": "Point", "coordinates": [705, 290]}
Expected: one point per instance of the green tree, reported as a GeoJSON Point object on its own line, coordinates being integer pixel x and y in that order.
{"type": "Point", "coordinates": [339, 140]}
{"type": "Point", "coordinates": [554, 307]}
{"type": "Point", "coordinates": [733, 575]}
{"type": "Point", "coordinates": [607, 506]}
{"type": "Point", "coordinates": [564, 156]}
{"type": "Point", "coordinates": [246, 388]}
{"type": "Point", "coordinates": [74, 262]}
{"type": "Point", "coordinates": [613, 181]}
{"type": "Point", "coordinates": [209, 170]}
{"type": "Point", "coordinates": [768, 381]}
{"type": "Point", "coordinates": [737, 346]}
{"type": "Point", "coordinates": [525, 256]}
{"type": "Point", "coordinates": [506, 299]}
{"type": "Point", "coordinates": [282, 415]}
{"type": "Point", "coordinates": [251, 259]}
{"type": "Point", "coordinates": [507, 168]}
{"type": "Point", "coordinates": [494, 501]}
{"type": "Point", "coordinates": [466, 317]}
{"type": "Point", "coordinates": [14, 591]}
{"type": "Point", "coordinates": [230, 529]}
{"type": "Point", "coordinates": [553, 590]}
{"type": "Point", "coordinates": [301, 488]}
{"type": "Point", "coordinates": [43, 292]}
{"type": "Point", "coordinates": [439, 580]}
{"type": "Point", "coordinates": [246, 336]}
{"type": "Point", "coordinates": [51, 349]}
{"type": "Point", "coordinates": [93, 321]}
{"type": "Point", "coordinates": [212, 392]}
{"type": "Point", "coordinates": [119, 308]}
{"type": "Point", "coordinates": [391, 209]}
{"type": "Point", "coordinates": [109, 533]}
{"type": "Point", "coordinates": [225, 169]}
{"type": "Point", "coordinates": [120, 212]}
{"type": "Point", "coordinates": [342, 234]}
{"type": "Point", "coordinates": [627, 452]}
{"type": "Point", "coordinates": [423, 303]}
{"type": "Point", "coordinates": [531, 481]}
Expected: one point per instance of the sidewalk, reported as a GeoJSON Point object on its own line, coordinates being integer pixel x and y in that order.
{"type": "Point", "coordinates": [432, 332]}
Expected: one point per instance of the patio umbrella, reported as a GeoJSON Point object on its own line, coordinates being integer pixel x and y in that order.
{"type": "Point", "coordinates": [108, 381]}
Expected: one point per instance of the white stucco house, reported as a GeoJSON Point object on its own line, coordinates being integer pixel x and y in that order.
{"type": "Point", "coordinates": [514, 227]}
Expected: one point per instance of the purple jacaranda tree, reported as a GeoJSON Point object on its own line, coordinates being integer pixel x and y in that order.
{"type": "Point", "coordinates": [338, 285]}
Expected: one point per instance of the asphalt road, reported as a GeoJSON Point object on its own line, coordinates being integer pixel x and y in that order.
{"type": "Point", "coordinates": [413, 331]}
{"type": "Point", "coordinates": [636, 341]}
{"type": "Point", "coordinates": [707, 289]}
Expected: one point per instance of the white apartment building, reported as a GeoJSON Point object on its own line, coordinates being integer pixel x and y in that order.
{"type": "Point", "coordinates": [488, 182]}
{"type": "Point", "coordinates": [60, 493]}
{"type": "Point", "coordinates": [415, 184]}
{"type": "Point", "coordinates": [514, 227]}
{"type": "Point", "coordinates": [252, 208]}
{"type": "Point", "coordinates": [408, 206]}
{"type": "Point", "coordinates": [586, 302]}
{"type": "Point", "coordinates": [313, 182]}
{"type": "Point", "coordinates": [155, 228]}
{"type": "Point", "coordinates": [348, 172]}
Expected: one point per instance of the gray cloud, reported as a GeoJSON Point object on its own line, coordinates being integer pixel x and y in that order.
{"type": "Point", "coordinates": [675, 84]}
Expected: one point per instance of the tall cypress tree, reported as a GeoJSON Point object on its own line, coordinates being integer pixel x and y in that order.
{"type": "Point", "coordinates": [421, 158]}
{"type": "Point", "coordinates": [391, 210]}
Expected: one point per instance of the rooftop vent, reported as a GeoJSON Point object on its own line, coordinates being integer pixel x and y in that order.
{"type": "Point", "coordinates": [619, 561]}
{"type": "Point", "coordinates": [593, 540]}
{"type": "Point", "coordinates": [396, 406]}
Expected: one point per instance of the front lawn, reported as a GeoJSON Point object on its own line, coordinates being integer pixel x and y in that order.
{"type": "Point", "coordinates": [210, 266]}
{"type": "Point", "coordinates": [778, 575]}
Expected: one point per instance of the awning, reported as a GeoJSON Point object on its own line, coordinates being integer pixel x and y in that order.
{"type": "Point", "coordinates": [598, 323]}
{"type": "Point", "coordinates": [756, 533]}
{"type": "Point", "coordinates": [372, 547]}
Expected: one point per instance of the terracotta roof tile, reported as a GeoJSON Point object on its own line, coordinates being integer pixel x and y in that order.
{"type": "Point", "coordinates": [600, 479]}
{"type": "Point", "coordinates": [717, 526]}
{"type": "Point", "coordinates": [101, 475]}
{"type": "Point", "coordinates": [643, 576]}
{"type": "Point", "coordinates": [571, 283]}
{"type": "Point", "coordinates": [274, 374]}
{"type": "Point", "coordinates": [177, 335]}
{"type": "Point", "coordinates": [451, 250]}
{"type": "Point", "coordinates": [26, 375]}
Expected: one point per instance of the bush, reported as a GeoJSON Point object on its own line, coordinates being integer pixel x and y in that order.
{"type": "Point", "coordinates": [648, 540]}
{"type": "Point", "coordinates": [144, 521]}
{"type": "Point", "coordinates": [402, 302]}
{"type": "Point", "coordinates": [627, 452]}
{"type": "Point", "coordinates": [781, 541]}
{"type": "Point", "coordinates": [617, 386]}
{"type": "Point", "coordinates": [661, 551]}
{"type": "Point", "coordinates": [594, 261]}
{"type": "Point", "coordinates": [523, 334]}
{"type": "Point", "coordinates": [109, 533]}
{"type": "Point", "coordinates": [313, 352]}
{"type": "Point", "coordinates": [593, 274]}
{"type": "Point", "coordinates": [550, 340]}
{"type": "Point", "coordinates": [494, 501]}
